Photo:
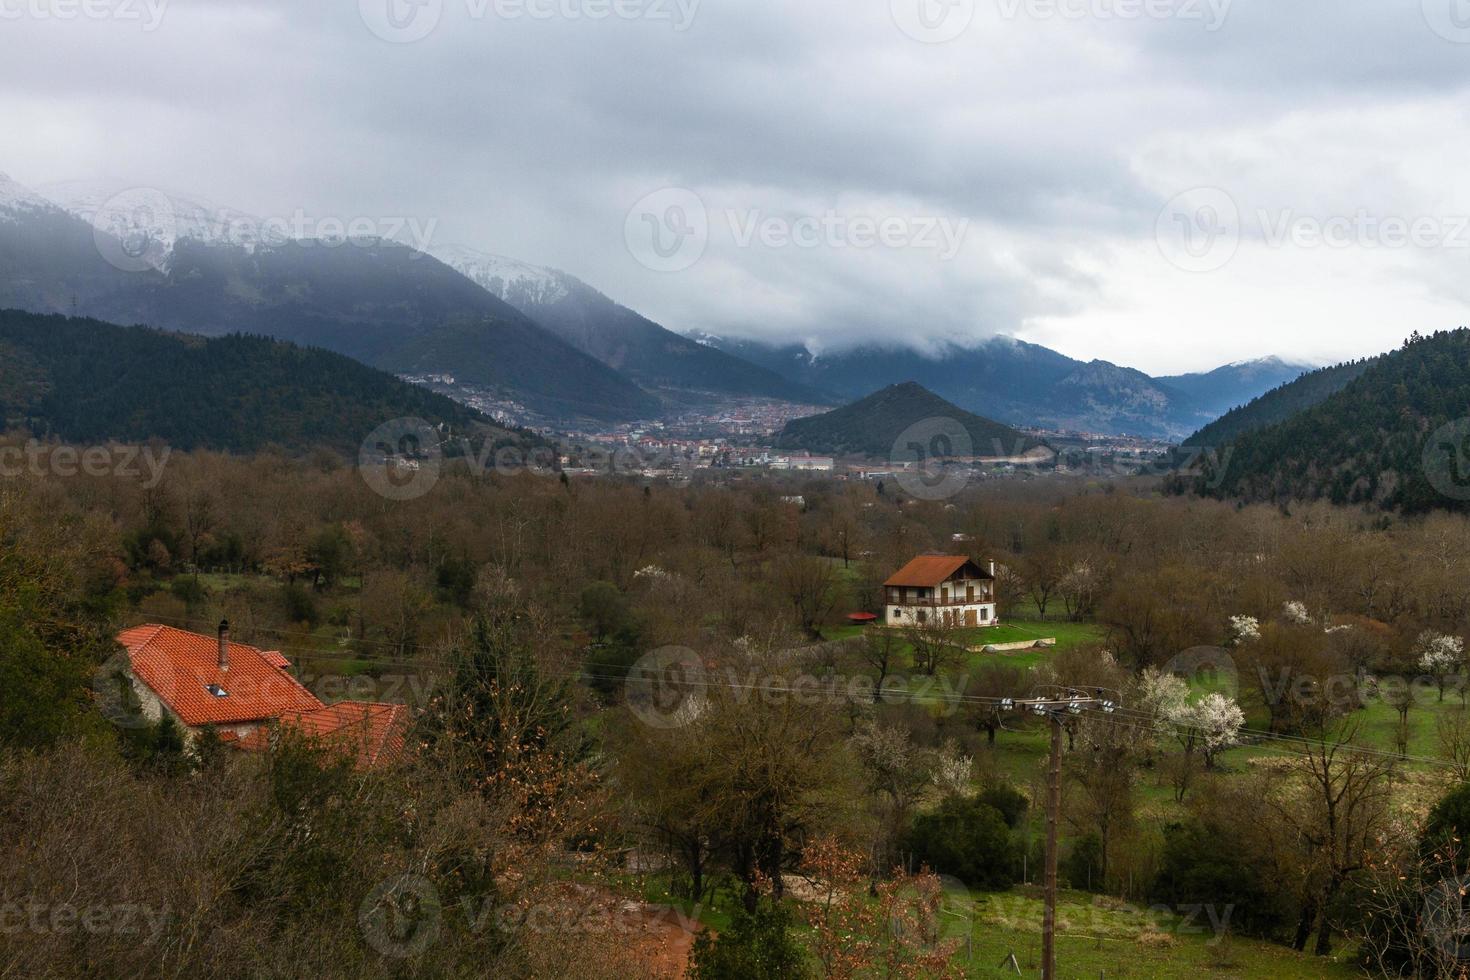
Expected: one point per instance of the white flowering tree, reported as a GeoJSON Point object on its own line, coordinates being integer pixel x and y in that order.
{"type": "Point", "coordinates": [1441, 657]}
{"type": "Point", "coordinates": [1161, 697]}
{"type": "Point", "coordinates": [1244, 629]}
{"type": "Point", "coordinates": [1296, 613]}
{"type": "Point", "coordinates": [1211, 725]}
{"type": "Point", "coordinates": [1219, 720]}
{"type": "Point", "coordinates": [952, 771]}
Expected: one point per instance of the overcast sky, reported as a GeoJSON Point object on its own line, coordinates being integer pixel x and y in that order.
{"type": "Point", "coordinates": [1167, 184]}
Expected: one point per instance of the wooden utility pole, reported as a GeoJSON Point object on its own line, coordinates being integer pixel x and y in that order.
{"type": "Point", "coordinates": [1055, 711]}
{"type": "Point", "coordinates": [1053, 814]}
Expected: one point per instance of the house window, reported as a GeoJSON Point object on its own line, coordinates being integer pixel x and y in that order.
{"type": "Point", "coordinates": [985, 615]}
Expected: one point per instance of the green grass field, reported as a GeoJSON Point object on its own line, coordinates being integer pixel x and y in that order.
{"type": "Point", "coordinates": [1096, 937]}
{"type": "Point", "coordinates": [1104, 938]}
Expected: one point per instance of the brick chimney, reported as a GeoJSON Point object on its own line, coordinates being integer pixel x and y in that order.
{"type": "Point", "coordinates": [224, 644]}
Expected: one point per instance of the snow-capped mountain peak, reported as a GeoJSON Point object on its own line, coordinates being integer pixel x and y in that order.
{"type": "Point", "coordinates": [151, 220]}
{"type": "Point", "coordinates": [518, 283]}
{"type": "Point", "coordinates": [16, 198]}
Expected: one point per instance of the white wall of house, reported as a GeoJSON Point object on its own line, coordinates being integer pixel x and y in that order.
{"type": "Point", "coordinates": [947, 603]}
{"type": "Point", "coordinates": [985, 614]}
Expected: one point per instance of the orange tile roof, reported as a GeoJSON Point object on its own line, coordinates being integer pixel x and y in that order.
{"type": "Point", "coordinates": [275, 659]}
{"type": "Point", "coordinates": [371, 731]}
{"type": "Point", "coordinates": [927, 571]}
{"type": "Point", "coordinates": [181, 667]}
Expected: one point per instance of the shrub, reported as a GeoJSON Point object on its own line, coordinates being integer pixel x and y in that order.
{"type": "Point", "coordinates": [188, 590]}
{"type": "Point", "coordinates": [757, 945]}
{"type": "Point", "coordinates": [299, 604]}
{"type": "Point", "coordinates": [1199, 868]}
{"type": "Point", "coordinates": [969, 840]}
{"type": "Point", "coordinates": [1083, 866]}
{"type": "Point", "coordinates": [1011, 802]}
{"type": "Point", "coordinates": [1445, 831]}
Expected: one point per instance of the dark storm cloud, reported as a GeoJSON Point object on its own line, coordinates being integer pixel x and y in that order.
{"type": "Point", "coordinates": [1054, 130]}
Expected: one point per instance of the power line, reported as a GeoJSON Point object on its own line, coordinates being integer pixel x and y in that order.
{"type": "Point", "coordinates": [1148, 722]}
{"type": "Point", "coordinates": [1297, 740]}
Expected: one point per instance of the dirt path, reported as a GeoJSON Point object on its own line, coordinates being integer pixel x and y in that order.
{"type": "Point", "coordinates": [665, 938]}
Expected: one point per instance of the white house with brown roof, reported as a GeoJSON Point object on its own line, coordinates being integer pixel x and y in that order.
{"type": "Point", "coordinates": [953, 590]}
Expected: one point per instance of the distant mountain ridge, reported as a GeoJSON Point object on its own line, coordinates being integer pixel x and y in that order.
{"type": "Point", "coordinates": [1279, 404]}
{"type": "Point", "coordinates": [1026, 384]}
{"type": "Point", "coordinates": [527, 333]}
{"type": "Point", "coordinates": [82, 380]}
{"type": "Point", "coordinates": [1216, 392]}
{"type": "Point", "coordinates": [377, 301]}
{"type": "Point", "coordinates": [623, 339]}
{"type": "Point", "coordinates": [1392, 437]}
{"type": "Point", "coordinates": [877, 424]}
